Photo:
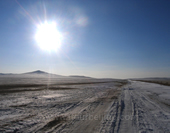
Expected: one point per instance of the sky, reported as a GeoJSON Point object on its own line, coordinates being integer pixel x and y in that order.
{"type": "Point", "coordinates": [100, 38]}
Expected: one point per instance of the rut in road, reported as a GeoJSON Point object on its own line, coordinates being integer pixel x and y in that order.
{"type": "Point", "coordinates": [141, 113]}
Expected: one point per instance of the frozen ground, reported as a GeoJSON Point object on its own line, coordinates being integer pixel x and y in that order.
{"type": "Point", "coordinates": [116, 106]}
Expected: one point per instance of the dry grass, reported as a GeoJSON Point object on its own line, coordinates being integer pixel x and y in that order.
{"type": "Point", "coordinates": [14, 88]}
{"type": "Point", "coordinates": [161, 82]}
{"type": "Point", "coordinates": [121, 83]}
{"type": "Point", "coordinates": [60, 88]}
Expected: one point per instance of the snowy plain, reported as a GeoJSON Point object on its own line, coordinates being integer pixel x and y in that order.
{"type": "Point", "coordinates": [83, 105]}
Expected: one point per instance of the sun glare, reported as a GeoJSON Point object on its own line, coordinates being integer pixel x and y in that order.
{"type": "Point", "coordinates": [48, 36]}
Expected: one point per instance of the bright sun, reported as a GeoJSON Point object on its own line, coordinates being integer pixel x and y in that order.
{"type": "Point", "coordinates": [48, 36]}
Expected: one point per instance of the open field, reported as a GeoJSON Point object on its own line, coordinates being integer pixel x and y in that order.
{"type": "Point", "coordinates": [161, 81]}
{"type": "Point", "coordinates": [86, 105]}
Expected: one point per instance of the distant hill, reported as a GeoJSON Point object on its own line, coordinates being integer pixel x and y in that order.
{"type": "Point", "coordinates": [77, 76]}
{"type": "Point", "coordinates": [152, 78]}
{"type": "Point", "coordinates": [33, 74]}
{"type": "Point", "coordinates": [5, 73]}
{"type": "Point", "coordinates": [37, 72]}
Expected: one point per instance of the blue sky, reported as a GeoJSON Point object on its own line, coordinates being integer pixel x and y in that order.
{"type": "Point", "coordinates": [102, 38]}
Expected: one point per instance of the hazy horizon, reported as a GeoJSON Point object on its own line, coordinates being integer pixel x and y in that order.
{"type": "Point", "coordinates": [101, 39]}
{"type": "Point", "coordinates": [80, 75]}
